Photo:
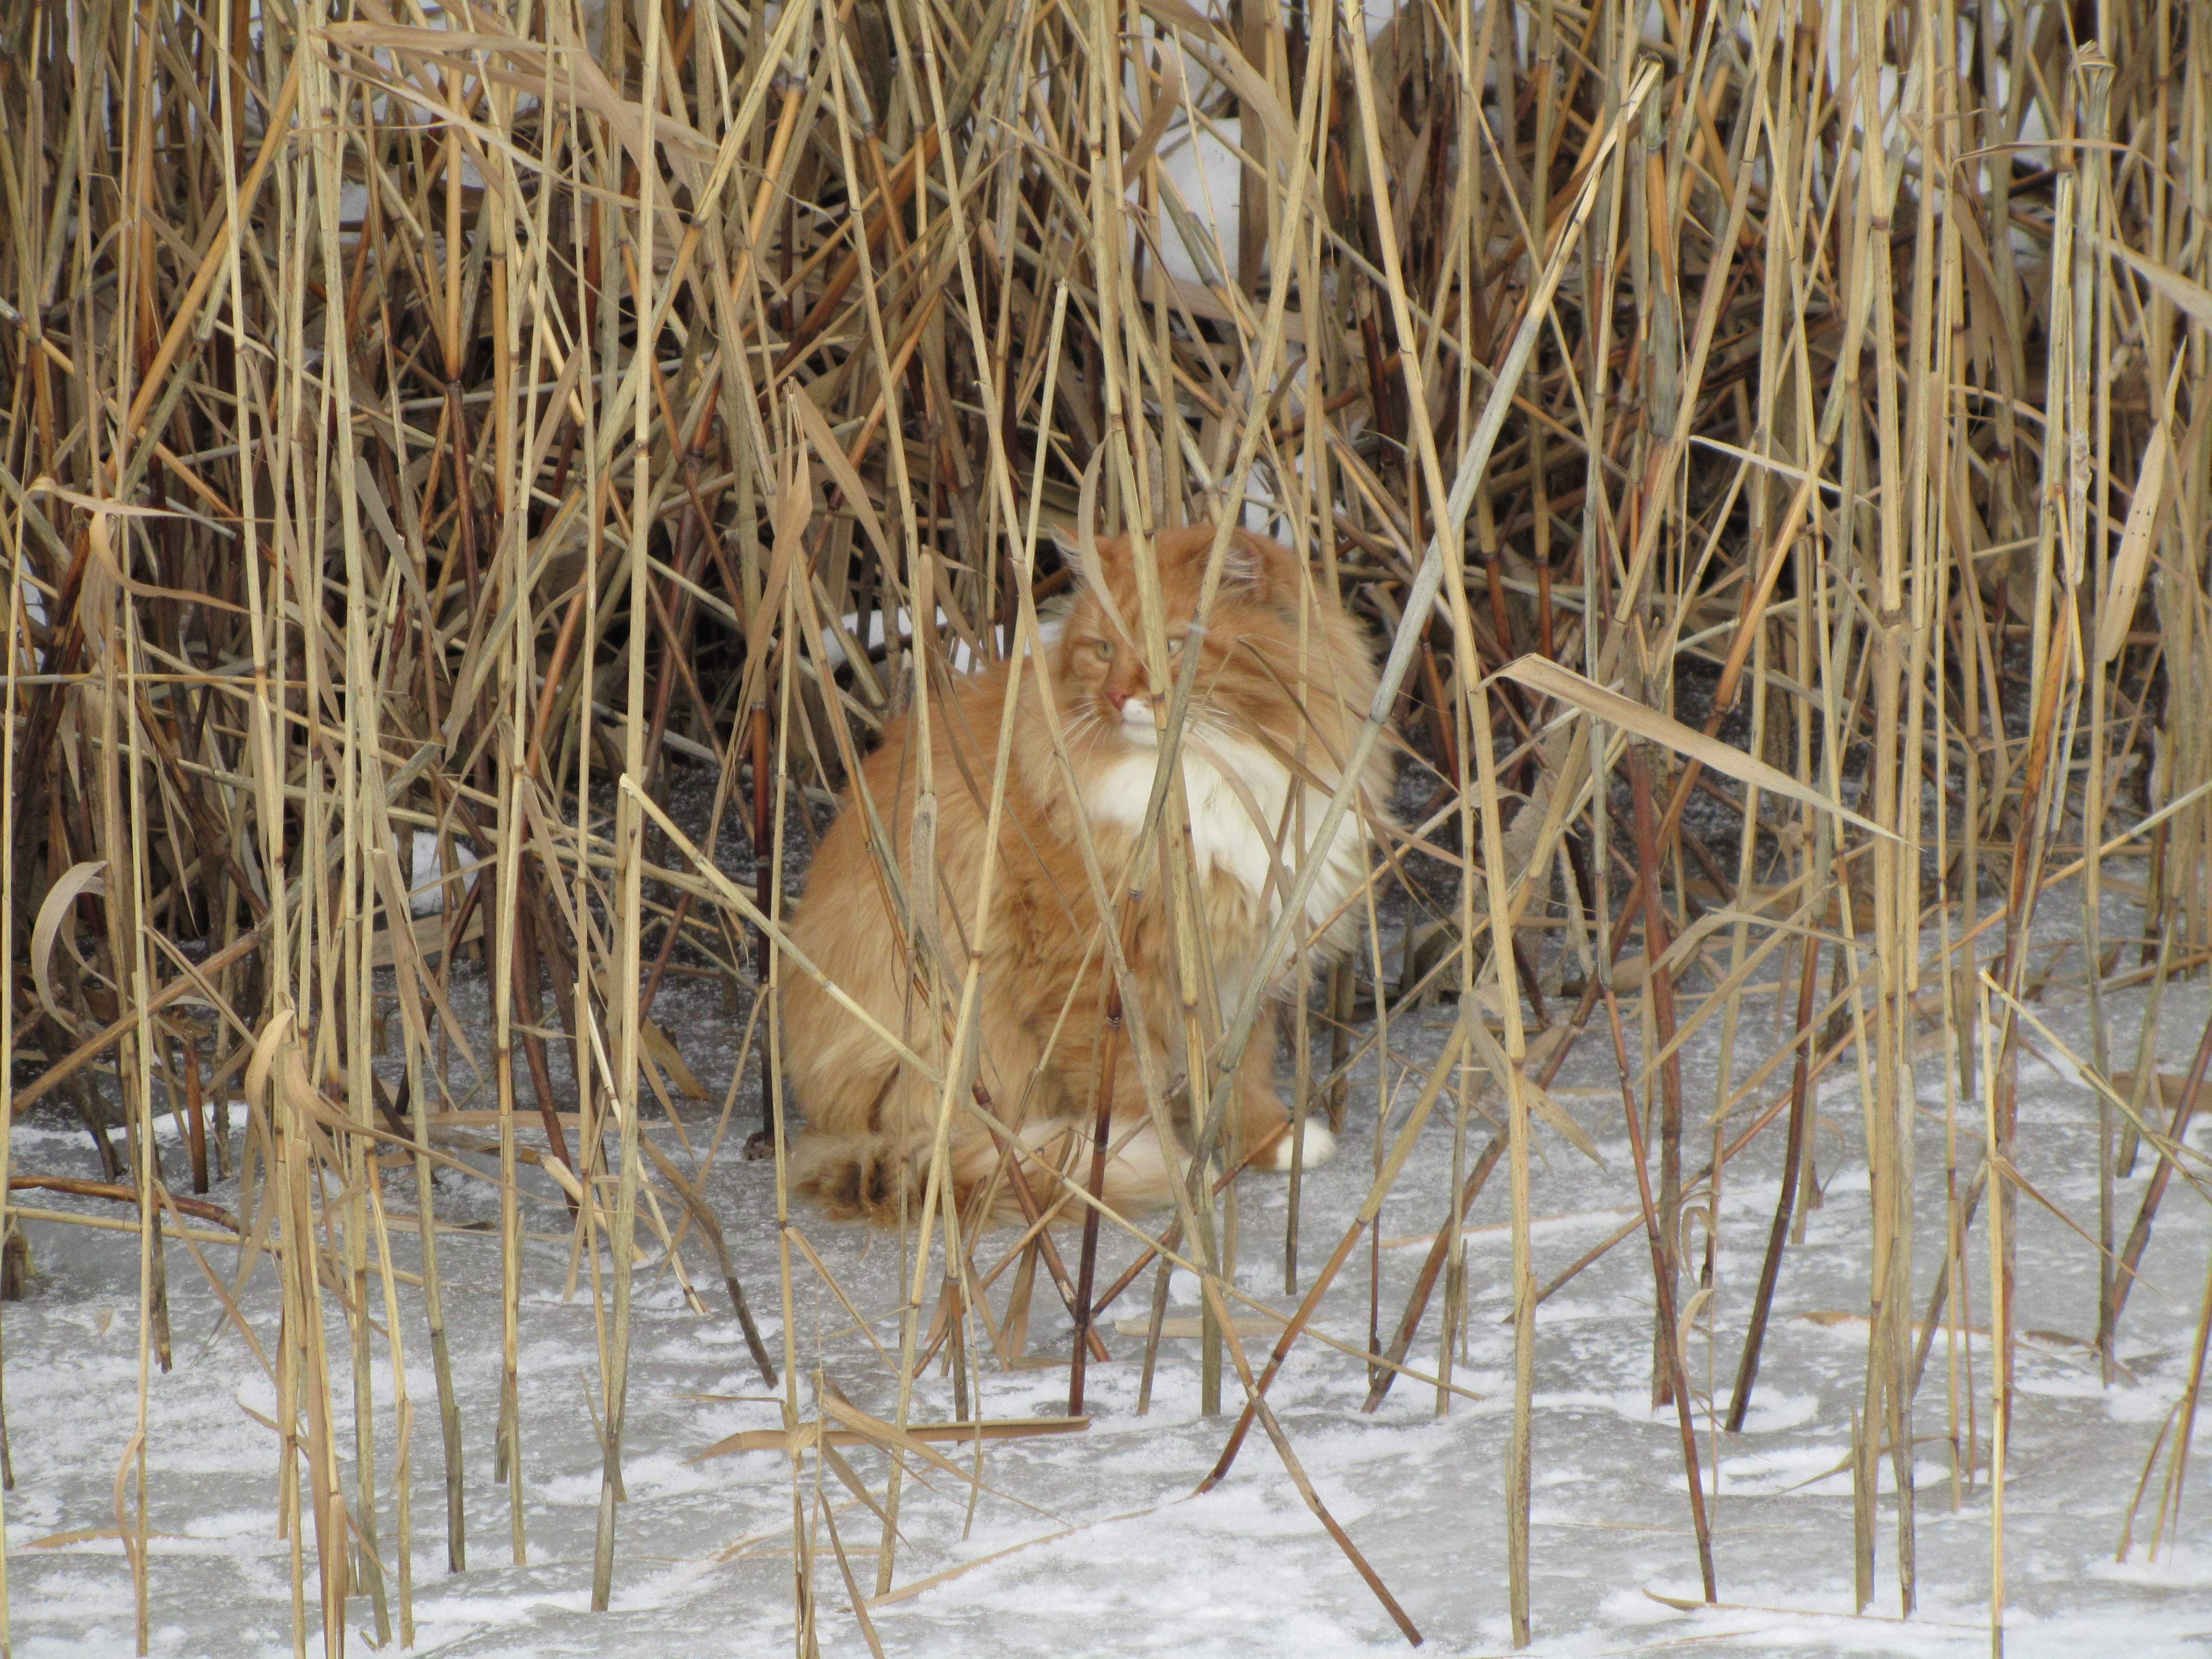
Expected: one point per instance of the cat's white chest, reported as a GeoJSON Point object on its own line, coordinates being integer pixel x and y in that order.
{"type": "Point", "coordinates": [1237, 793]}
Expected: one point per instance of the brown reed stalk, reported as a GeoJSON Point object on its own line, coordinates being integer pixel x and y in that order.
{"type": "Point", "coordinates": [412, 433]}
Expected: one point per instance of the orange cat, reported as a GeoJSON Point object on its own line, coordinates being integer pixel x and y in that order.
{"type": "Point", "coordinates": [1042, 988]}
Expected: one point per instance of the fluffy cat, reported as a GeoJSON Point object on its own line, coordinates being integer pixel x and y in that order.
{"type": "Point", "coordinates": [870, 1119]}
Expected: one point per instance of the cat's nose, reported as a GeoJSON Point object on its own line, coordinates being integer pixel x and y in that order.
{"type": "Point", "coordinates": [1117, 698]}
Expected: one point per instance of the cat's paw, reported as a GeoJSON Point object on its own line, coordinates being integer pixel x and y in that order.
{"type": "Point", "coordinates": [1320, 1148]}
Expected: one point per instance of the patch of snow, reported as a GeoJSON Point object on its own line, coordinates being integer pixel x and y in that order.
{"type": "Point", "coordinates": [428, 888]}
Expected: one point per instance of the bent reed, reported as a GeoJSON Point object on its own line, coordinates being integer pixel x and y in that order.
{"type": "Point", "coordinates": [458, 465]}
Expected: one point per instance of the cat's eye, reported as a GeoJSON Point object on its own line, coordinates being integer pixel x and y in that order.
{"type": "Point", "coordinates": [1176, 644]}
{"type": "Point", "coordinates": [1104, 648]}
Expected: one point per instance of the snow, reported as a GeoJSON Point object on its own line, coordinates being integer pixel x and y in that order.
{"type": "Point", "coordinates": [963, 659]}
{"type": "Point", "coordinates": [1093, 1543]}
{"type": "Point", "coordinates": [427, 894]}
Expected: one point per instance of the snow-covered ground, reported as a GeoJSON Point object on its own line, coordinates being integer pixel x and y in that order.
{"type": "Point", "coordinates": [1100, 1547]}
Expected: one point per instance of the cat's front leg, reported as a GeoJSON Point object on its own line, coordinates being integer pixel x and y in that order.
{"type": "Point", "coordinates": [1263, 1118]}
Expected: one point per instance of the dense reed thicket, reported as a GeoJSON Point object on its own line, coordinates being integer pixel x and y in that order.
{"type": "Point", "coordinates": [1772, 437]}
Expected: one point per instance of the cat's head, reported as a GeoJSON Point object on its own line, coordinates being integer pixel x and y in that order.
{"type": "Point", "coordinates": [1246, 645]}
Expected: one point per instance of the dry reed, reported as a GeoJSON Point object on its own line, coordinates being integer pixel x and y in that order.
{"type": "Point", "coordinates": [1784, 423]}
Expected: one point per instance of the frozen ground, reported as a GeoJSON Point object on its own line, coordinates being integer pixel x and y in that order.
{"type": "Point", "coordinates": [1142, 1567]}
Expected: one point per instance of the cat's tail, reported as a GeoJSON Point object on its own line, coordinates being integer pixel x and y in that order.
{"type": "Point", "coordinates": [884, 1179]}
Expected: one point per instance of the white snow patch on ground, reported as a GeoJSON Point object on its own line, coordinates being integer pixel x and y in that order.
{"type": "Point", "coordinates": [1106, 1550]}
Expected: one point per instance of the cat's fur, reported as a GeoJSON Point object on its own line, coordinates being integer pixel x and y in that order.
{"type": "Point", "coordinates": [870, 1121]}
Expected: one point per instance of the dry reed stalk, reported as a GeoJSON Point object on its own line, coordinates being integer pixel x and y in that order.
{"type": "Point", "coordinates": [16, 646]}
{"type": "Point", "coordinates": [393, 414]}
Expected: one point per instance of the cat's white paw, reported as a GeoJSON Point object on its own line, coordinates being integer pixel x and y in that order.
{"type": "Point", "coordinates": [1320, 1147]}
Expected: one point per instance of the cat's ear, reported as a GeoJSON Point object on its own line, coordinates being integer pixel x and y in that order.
{"type": "Point", "coordinates": [1088, 570]}
{"type": "Point", "coordinates": [1248, 565]}
{"type": "Point", "coordinates": [1070, 553]}
{"type": "Point", "coordinates": [1088, 565]}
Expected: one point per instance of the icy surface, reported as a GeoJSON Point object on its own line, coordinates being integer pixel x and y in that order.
{"type": "Point", "coordinates": [1105, 1549]}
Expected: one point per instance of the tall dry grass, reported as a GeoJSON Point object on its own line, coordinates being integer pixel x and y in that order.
{"type": "Point", "coordinates": [1773, 441]}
